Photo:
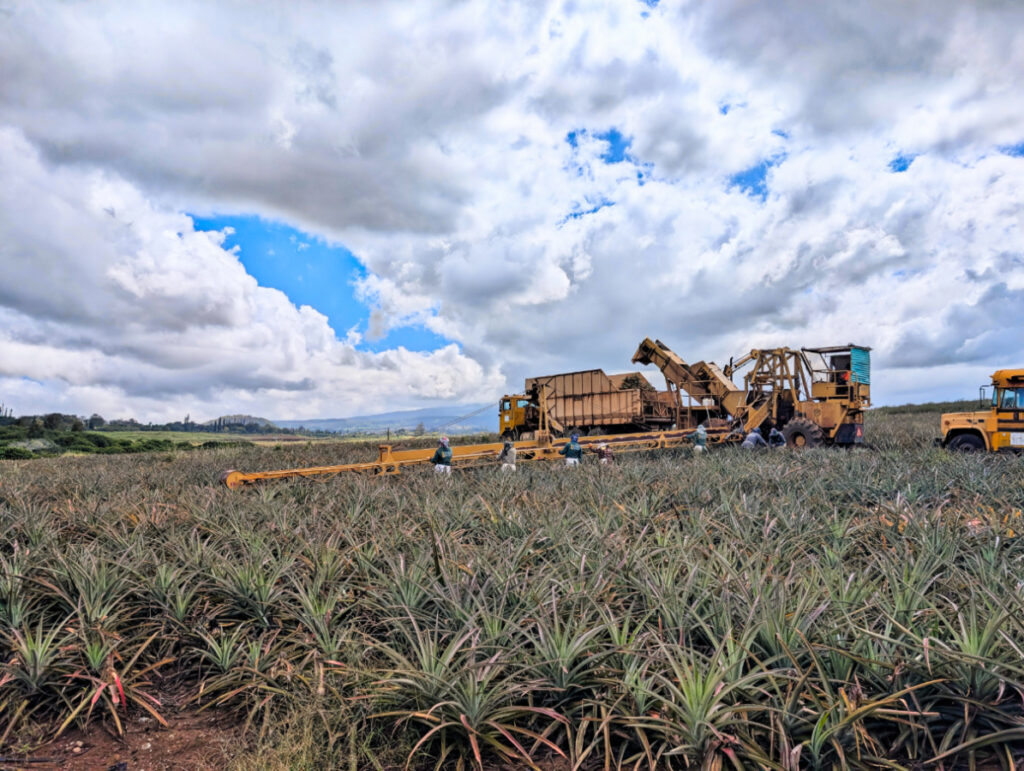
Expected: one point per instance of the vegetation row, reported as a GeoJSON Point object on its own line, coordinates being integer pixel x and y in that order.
{"type": "Point", "coordinates": [786, 610]}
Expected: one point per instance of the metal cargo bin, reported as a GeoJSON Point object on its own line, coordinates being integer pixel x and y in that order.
{"type": "Point", "coordinates": [592, 400]}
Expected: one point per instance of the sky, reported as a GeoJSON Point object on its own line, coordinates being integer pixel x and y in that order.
{"type": "Point", "coordinates": [309, 209]}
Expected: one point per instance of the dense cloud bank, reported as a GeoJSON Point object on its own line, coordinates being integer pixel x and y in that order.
{"type": "Point", "coordinates": [544, 184]}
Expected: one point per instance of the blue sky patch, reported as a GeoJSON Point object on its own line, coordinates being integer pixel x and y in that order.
{"type": "Point", "coordinates": [901, 162]}
{"type": "Point", "coordinates": [1015, 150]}
{"type": "Point", "coordinates": [311, 272]}
{"type": "Point", "coordinates": [754, 181]}
{"type": "Point", "coordinates": [617, 144]}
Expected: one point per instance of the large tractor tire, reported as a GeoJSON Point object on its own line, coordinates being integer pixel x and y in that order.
{"type": "Point", "coordinates": [966, 443]}
{"type": "Point", "coordinates": [801, 432]}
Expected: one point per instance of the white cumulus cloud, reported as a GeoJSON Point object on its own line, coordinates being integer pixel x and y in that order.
{"type": "Point", "coordinates": [433, 141]}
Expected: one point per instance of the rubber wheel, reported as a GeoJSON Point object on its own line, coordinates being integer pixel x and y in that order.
{"type": "Point", "coordinates": [232, 479]}
{"type": "Point", "coordinates": [512, 434]}
{"type": "Point", "coordinates": [800, 433]}
{"type": "Point", "coordinates": [967, 443]}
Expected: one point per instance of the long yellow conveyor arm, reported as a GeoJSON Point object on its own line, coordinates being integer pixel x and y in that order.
{"type": "Point", "coordinates": [391, 461]}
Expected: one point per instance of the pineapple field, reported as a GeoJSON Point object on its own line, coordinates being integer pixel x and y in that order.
{"type": "Point", "coordinates": [820, 609]}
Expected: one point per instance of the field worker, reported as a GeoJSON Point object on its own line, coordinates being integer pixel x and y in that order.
{"type": "Point", "coordinates": [507, 459]}
{"type": "Point", "coordinates": [700, 439]}
{"type": "Point", "coordinates": [776, 439]}
{"type": "Point", "coordinates": [442, 459]}
{"type": "Point", "coordinates": [572, 451]}
{"type": "Point", "coordinates": [754, 440]}
{"type": "Point", "coordinates": [604, 454]}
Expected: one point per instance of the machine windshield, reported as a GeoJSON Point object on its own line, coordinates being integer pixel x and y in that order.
{"type": "Point", "coordinates": [1008, 398]}
{"type": "Point", "coordinates": [818, 366]}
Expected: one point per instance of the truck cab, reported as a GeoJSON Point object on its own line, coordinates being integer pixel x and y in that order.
{"type": "Point", "coordinates": [998, 426]}
{"type": "Point", "coordinates": [517, 415]}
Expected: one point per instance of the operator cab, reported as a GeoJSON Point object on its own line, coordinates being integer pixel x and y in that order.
{"type": "Point", "coordinates": [841, 372]}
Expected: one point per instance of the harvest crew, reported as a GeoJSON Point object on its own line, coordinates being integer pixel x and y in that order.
{"type": "Point", "coordinates": [507, 459]}
{"type": "Point", "coordinates": [572, 451]}
{"type": "Point", "coordinates": [442, 459]}
{"type": "Point", "coordinates": [604, 454]}
{"type": "Point", "coordinates": [776, 438]}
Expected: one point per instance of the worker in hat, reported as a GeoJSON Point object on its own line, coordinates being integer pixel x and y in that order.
{"type": "Point", "coordinates": [604, 454]}
{"type": "Point", "coordinates": [507, 458]}
{"type": "Point", "coordinates": [442, 458]}
{"type": "Point", "coordinates": [776, 439]}
{"type": "Point", "coordinates": [572, 451]}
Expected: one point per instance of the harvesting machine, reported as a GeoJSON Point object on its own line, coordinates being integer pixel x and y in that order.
{"type": "Point", "coordinates": [814, 395]}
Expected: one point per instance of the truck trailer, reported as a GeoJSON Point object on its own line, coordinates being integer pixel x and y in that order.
{"type": "Point", "coordinates": [588, 402]}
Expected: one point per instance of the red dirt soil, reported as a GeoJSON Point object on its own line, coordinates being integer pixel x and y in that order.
{"type": "Point", "coordinates": [191, 742]}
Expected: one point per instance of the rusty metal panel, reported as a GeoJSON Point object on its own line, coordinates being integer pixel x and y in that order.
{"type": "Point", "coordinates": [590, 398]}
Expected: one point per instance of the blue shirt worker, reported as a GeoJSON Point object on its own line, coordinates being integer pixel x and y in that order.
{"type": "Point", "coordinates": [776, 439]}
{"type": "Point", "coordinates": [442, 458]}
{"type": "Point", "coordinates": [700, 439]}
{"type": "Point", "coordinates": [754, 440]}
{"type": "Point", "coordinates": [572, 451]}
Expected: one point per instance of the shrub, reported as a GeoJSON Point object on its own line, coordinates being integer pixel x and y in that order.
{"type": "Point", "coordinates": [16, 453]}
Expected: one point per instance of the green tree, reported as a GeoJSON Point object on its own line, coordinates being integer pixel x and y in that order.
{"type": "Point", "coordinates": [77, 425]}
{"type": "Point", "coordinates": [96, 421]}
{"type": "Point", "coordinates": [53, 421]}
{"type": "Point", "coordinates": [35, 430]}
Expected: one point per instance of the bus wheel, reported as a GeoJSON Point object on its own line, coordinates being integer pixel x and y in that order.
{"type": "Point", "coordinates": [967, 443]}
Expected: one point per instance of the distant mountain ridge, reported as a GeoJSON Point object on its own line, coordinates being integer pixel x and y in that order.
{"type": "Point", "coordinates": [450, 418]}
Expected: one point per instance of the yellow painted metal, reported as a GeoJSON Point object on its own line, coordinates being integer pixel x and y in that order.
{"type": "Point", "coordinates": [999, 427]}
{"type": "Point", "coordinates": [704, 383]}
{"type": "Point", "coordinates": [779, 385]}
{"type": "Point", "coordinates": [544, 448]}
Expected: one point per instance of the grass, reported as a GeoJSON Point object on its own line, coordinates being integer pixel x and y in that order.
{"type": "Point", "coordinates": [787, 610]}
{"type": "Point", "coordinates": [202, 437]}
{"type": "Point", "coordinates": [193, 437]}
